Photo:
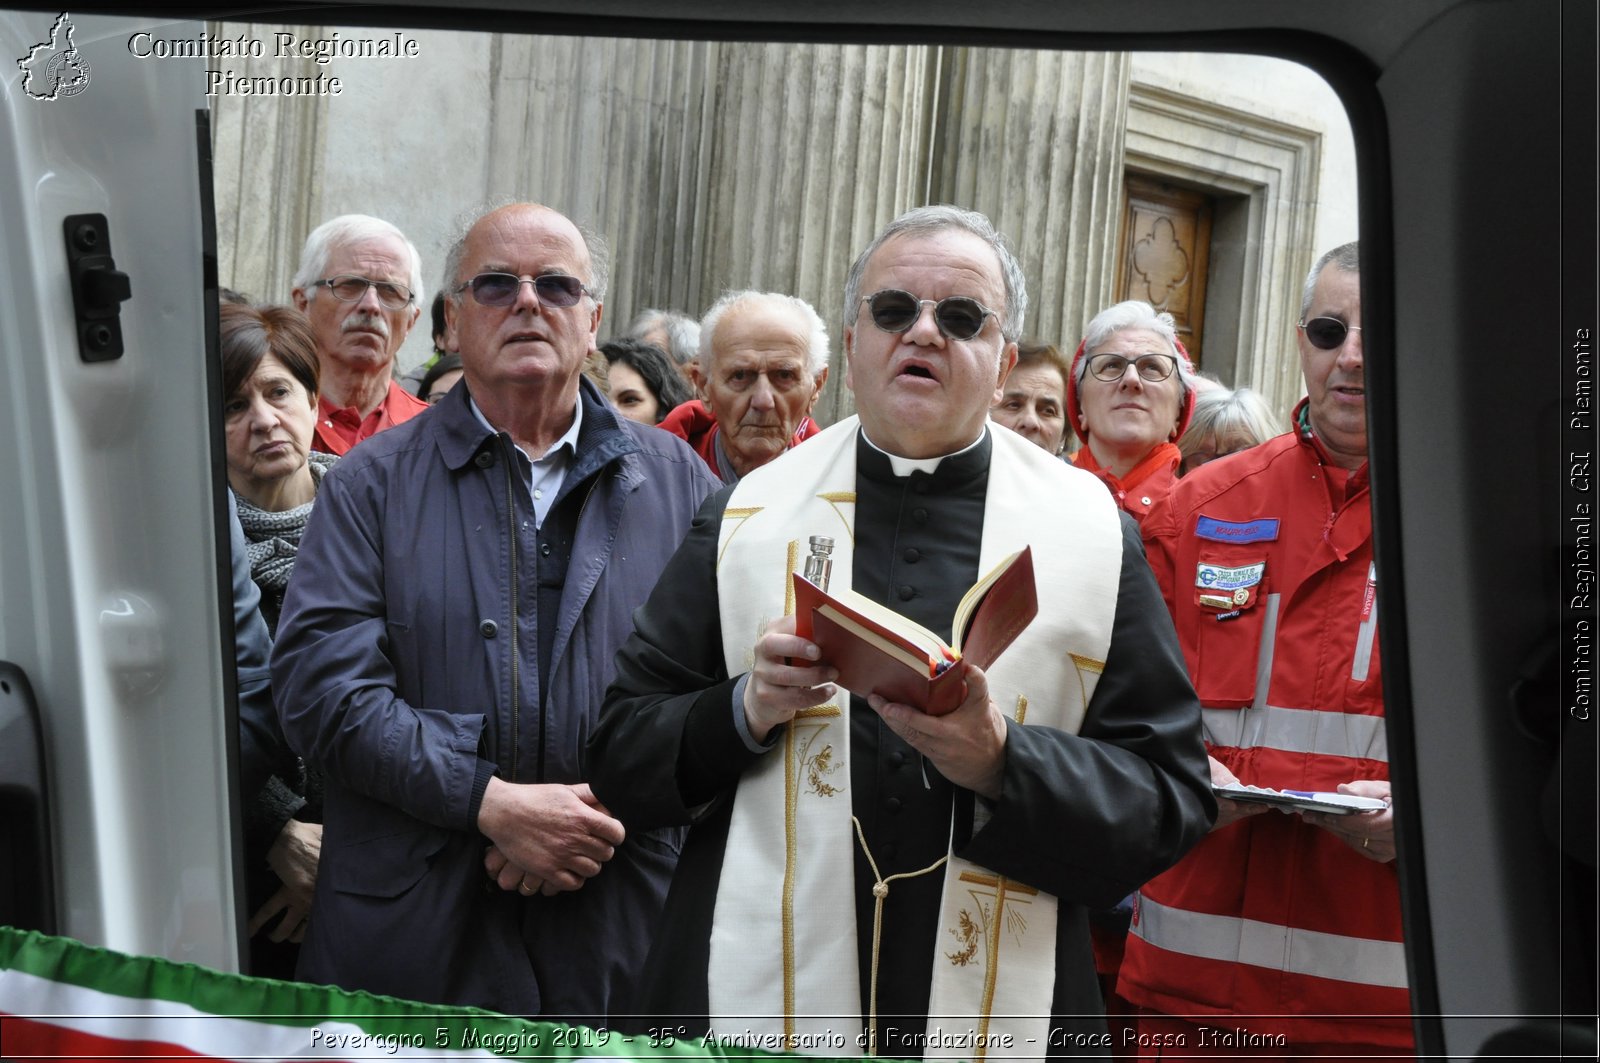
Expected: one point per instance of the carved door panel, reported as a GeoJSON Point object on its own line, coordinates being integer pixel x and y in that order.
{"type": "Point", "coordinates": [1165, 251]}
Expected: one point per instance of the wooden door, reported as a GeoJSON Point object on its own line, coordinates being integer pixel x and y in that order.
{"type": "Point", "coordinates": [1164, 253]}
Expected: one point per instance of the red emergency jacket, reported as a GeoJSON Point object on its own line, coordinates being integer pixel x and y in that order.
{"type": "Point", "coordinates": [1145, 483]}
{"type": "Point", "coordinates": [1265, 560]}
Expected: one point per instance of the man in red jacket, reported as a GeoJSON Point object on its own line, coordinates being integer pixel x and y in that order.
{"type": "Point", "coordinates": [1280, 934]}
{"type": "Point", "coordinates": [763, 360]}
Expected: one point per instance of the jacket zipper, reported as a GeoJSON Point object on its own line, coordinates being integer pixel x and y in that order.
{"type": "Point", "coordinates": [516, 608]}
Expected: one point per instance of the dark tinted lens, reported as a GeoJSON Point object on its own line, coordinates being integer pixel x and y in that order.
{"type": "Point", "coordinates": [893, 311]}
{"type": "Point", "coordinates": [1325, 333]}
{"type": "Point", "coordinates": [556, 289]}
{"type": "Point", "coordinates": [494, 289]}
{"type": "Point", "coordinates": [959, 317]}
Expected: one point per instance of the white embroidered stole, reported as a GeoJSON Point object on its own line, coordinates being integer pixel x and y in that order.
{"type": "Point", "coordinates": [783, 960]}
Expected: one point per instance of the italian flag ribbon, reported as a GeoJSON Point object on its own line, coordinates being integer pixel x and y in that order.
{"type": "Point", "coordinates": [63, 1000]}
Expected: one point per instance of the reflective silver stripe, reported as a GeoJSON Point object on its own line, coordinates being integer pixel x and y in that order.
{"type": "Point", "coordinates": [1279, 948]}
{"type": "Point", "coordinates": [1269, 646]}
{"type": "Point", "coordinates": [1369, 626]}
{"type": "Point", "coordinates": [1336, 734]}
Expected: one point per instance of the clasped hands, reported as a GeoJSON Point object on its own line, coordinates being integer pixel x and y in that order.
{"type": "Point", "coordinates": [293, 857]}
{"type": "Point", "coordinates": [546, 837]}
{"type": "Point", "coordinates": [1369, 833]}
{"type": "Point", "coordinates": [967, 745]}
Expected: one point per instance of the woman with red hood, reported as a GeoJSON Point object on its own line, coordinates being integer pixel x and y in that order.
{"type": "Point", "coordinates": [1129, 398]}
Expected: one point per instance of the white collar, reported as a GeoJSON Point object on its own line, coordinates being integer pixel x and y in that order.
{"type": "Point", "coordinates": [906, 466]}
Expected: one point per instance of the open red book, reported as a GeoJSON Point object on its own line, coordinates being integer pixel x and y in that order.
{"type": "Point", "coordinates": [878, 651]}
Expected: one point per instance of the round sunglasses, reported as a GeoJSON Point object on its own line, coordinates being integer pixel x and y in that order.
{"type": "Point", "coordinates": [500, 289]}
{"type": "Point", "coordinates": [1327, 333]}
{"type": "Point", "coordinates": [958, 317]}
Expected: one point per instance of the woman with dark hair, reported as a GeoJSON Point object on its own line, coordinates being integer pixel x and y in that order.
{"type": "Point", "coordinates": [269, 380]}
{"type": "Point", "coordinates": [645, 385]}
{"type": "Point", "coordinates": [440, 378]}
{"type": "Point", "coordinates": [269, 375]}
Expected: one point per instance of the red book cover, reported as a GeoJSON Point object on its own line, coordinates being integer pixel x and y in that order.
{"type": "Point", "coordinates": [878, 651]}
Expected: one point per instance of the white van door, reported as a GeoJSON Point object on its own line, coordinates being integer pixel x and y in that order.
{"type": "Point", "coordinates": [109, 592]}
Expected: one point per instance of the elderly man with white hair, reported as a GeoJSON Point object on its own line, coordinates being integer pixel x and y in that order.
{"type": "Point", "coordinates": [447, 702]}
{"type": "Point", "coordinates": [763, 360]}
{"type": "Point", "coordinates": [360, 283]}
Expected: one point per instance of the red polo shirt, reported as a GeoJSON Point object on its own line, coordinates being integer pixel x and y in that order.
{"type": "Point", "coordinates": [341, 427]}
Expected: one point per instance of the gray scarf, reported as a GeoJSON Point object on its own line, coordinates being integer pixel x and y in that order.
{"type": "Point", "coordinates": [274, 539]}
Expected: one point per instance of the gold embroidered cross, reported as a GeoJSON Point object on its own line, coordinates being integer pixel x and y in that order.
{"type": "Point", "coordinates": [998, 890]}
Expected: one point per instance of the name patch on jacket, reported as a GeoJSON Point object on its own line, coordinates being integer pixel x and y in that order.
{"type": "Point", "coordinates": [1260, 530]}
{"type": "Point", "coordinates": [1219, 578]}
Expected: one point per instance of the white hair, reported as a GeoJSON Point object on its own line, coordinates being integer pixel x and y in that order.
{"type": "Point", "coordinates": [817, 338]}
{"type": "Point", "coordinates": [1221, 412]}
{"type": "Point", "coordinates": [1136, 314]}
{"type": "Point", "coordinates": [346, 229]}
{"type": "Point", "coordinates": [683, 332]}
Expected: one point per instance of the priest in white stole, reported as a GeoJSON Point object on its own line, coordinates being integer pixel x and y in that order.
{"type": "Point", "coordinates": [859, 877]}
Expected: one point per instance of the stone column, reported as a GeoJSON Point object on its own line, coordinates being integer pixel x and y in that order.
{"type": "Point", "coordinates": [267, 162]}
{"type": "Point", "coordinates": [1034, 140]}
{"type": "Point", "coordinates": [815, 149]}
{"type": "Point", "coordinates": [614, 134]}
{"type": "Point", "coordinates": [710, 166]}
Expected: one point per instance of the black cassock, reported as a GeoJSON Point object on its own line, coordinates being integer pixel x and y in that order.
{"type": "Point", "coordinates": [1086, 817]}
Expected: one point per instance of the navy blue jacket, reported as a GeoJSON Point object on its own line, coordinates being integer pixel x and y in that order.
{"type": "Point", "coordinates": [407, 659]}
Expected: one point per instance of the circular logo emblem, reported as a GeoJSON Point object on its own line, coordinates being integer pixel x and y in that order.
{"type": "Point", "coordinates": [67, 73]}
{"type": "Point", "coordinates": [1241, 596]}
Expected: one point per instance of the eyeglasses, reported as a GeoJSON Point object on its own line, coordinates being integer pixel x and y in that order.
{"type": "Point", "coordinates": [958, 317]}
{"type": "Point", "coordinates": [350, 288]}
{"type": "Point", "coordinates": [500, 289]}
{"type": "Point", "coordinates": [1153, 368]}
{"type": "Point", "coordinates": [1327, 333]}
